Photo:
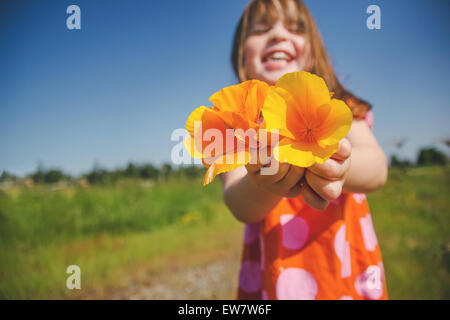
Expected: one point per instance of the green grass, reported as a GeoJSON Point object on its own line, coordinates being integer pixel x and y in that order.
{"type": "Point", "coordinates": [412, 220]}
{"type": "Point", "coordinates": [103, 229]}
{"type": "Point", "coordinates": [40, 217]}
{"type": "Point", "coordinates": [112, 231]}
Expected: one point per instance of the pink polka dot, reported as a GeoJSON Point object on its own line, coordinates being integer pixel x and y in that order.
{"type": "Point", "coordinates": [296, 284]}
{"type": "Point", "coordinates": [342, 249]}
{"type": "Point", "coordinates": [346, 298]}
{"type": "Point", "coordinates": [368, 233]}
{"type": "Point", "coordinates": [294, 231]}
{"type": "Point", "coordinates": [369, 284]}
{"type": "Point", "coordinates": [359, 197]}
{"type": "Point", "coordinates": [250, 276]}
{"type": "Point", "coordinates": [251, 232]}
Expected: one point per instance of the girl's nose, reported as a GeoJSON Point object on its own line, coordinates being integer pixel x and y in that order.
{"type": "Point", "coordinates": [278, 33]}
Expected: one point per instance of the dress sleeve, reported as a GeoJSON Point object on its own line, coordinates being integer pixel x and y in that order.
{"type": "Point", "coordinates": [369, 119]}
{"type": "Point", "coordinates": [361, 110]}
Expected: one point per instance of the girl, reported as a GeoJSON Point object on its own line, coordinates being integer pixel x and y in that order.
{"type": "Point", "coordinates": [309, 233]}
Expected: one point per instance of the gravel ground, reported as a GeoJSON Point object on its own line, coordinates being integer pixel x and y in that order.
{"type": "Point", "coordinates": [217, 279]}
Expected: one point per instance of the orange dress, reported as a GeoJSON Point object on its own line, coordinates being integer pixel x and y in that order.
{"type": "Point", "coordinates": [298, 252]}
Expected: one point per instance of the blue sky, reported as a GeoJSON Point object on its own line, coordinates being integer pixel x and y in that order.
{"type": "Point", "coordinates": [115, 90]}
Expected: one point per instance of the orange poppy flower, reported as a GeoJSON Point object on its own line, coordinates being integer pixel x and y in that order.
{"type": "Point", "coordinates": [311, 123]}
{"type": "Point", "coordinates": [237, 108]}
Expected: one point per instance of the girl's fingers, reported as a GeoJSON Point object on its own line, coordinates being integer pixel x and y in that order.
{"type": "Point", "coordinates": [253, 168]}
{"type": "Point", "coordinates": [283, 170]}
{"type": "Point", "coordinates": [294, 192]}
{"type": "Point", "coordinates": [311, 198]}
{"type": "Point", "coordinates": [344, 150]}
{"type": "Point", "coordinates": [331, 169]}
{"type": "Point", "coordinates": [291, 179]}
{"type": "Point", "coordinates": [326, 189]}
{"type": "Point", "coordinates": [270, 179]}
{"type": "Point", "coordinates": [260, 158]}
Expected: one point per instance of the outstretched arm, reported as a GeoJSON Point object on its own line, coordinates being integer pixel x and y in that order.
{"type": "Point", "coordinates": [369, 167]}
{"type": "Point", "coordinates": [359, 165]}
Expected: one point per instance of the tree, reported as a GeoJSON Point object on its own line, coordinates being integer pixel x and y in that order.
{"type": "Point", "coordinates": [397, 163]}
{"type": "Point", "coordinates": [53, 176]}
{"type": "Point", "coordinates": [431, 156]}
{"type": "Point", "coordinates": [148, 171]}
{"type": "Point", "coordinates": [132, 171]}
{"type": "Point", "coordinates": [6, 176]}
{"type": "Point", "coordinates": [38, 176]}
{"type": "Point", "coordinates": [165, 171]}
{"type": "Point", "coordinates": [191, 171]}
{"type": "Point", "coordinates": [97, 175]}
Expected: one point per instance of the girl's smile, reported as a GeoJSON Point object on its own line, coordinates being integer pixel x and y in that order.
{"type": "Point", "coordinates": [272, 51]}
{"type": "Point", "coordinates": [277, 59]}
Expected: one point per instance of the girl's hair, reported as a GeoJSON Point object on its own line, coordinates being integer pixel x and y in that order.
{"type": "Point", "coordinates": [296, 13]}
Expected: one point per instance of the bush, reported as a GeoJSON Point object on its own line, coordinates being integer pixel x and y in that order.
{"type": "Point", "coordinates": [397, 163]}
{"type": "Point", "coordinates": [6, 176]}
{"type": "Point", "coordinates": [431, 156]}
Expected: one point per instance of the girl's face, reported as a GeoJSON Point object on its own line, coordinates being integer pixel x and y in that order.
{"type": "Point", "coordinates": [272, 51]}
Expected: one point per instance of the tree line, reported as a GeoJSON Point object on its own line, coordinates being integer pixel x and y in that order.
{"type": "Point", "coordinates": [426, 157]}
{"type": "Point", "coordinates": [99, 175]}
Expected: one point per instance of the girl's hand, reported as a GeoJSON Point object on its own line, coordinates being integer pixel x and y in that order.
{"type": "Point", "coordinates": [284, 183]}
{"type": "Point", "coordinates": [323, 182]}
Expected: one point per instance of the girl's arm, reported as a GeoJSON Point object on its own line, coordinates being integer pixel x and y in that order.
{"type": "Point", "coordinates": [248, 202]}
{"type": "Point", "coordinates": [251, 195]}
{"type": "Point", "coordinates": [359, 165]}
{"type": "Point", "coordinates": [369, 167]}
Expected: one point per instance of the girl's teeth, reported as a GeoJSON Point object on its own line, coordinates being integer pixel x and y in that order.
{"type": "Point", "coordinates": [279, 56]}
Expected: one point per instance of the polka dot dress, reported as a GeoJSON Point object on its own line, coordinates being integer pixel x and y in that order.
{"type": "Point", "coordinates": [301, 253]}
{"type": "Point", "coordinates": [298, 252]}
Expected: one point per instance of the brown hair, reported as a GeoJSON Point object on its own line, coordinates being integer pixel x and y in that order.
{"type": "Point", "coordinates": [297, 13]}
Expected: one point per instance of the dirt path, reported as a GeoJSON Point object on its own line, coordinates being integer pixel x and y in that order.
{"type": "Point", "coordinates": [190, 274]}
{"type": "Point", "coordinates": [213, 280]}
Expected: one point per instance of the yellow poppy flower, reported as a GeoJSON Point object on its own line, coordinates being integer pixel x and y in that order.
{"type": "Point", "coordinates": [236, 107]}
{"type": "Point", "coordinates": [310, 122]}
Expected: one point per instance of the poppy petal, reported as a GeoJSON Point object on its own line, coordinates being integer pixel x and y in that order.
{"type": "Point", "coordinates": [323, 154]}
{"type": "Point", "coordinates": [297, 118]}
{"type": "Point", "coordinates": [336, 124]}
{"type": "Point", "coordinates": [309, 90]}
{"type": "Point", "coordinates": [195, 115]}
{"type": "Point", "coordinates": [288, 151]}
{"type": "Point", "coordinates": [209, 124]}
{"type": "Point", "coordinates": [221, 165]}
{"type": "Point", "coordinates": [190, 147]}
{"type": "Point", "coordinates": [257, 93]}
{"type": "Point", "coordinates": [275, 114]}
{"type": "Point", "coordinates": [229, 99]}
{"type": "Point", "coordinates": [298, 154]}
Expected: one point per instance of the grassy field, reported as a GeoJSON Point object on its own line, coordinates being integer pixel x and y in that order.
{"type": "Point", "coordinates": [109, 231]}
{"type": "Point", "coordinates": [412, 221]}
{"type": "Point", "coordinates": [114, 232]}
